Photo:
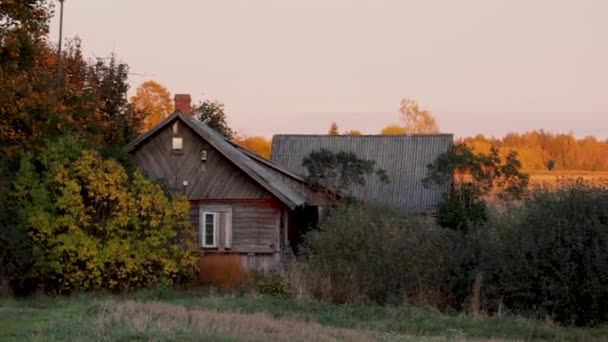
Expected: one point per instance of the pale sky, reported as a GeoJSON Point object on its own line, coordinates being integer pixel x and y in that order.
{"type": "Point", "coordinates": [294, 66]}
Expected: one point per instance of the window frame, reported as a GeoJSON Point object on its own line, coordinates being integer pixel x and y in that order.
{"type": "Point", "coordinates": [175, 150]}
{"type": "Point", "coordinates": [226, 235]}
{"type": "Point", "coordinates": [203, 229]}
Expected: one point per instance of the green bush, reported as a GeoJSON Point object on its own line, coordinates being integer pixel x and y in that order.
{"type": "Point", "coordinates": [548, 256]}
{"type": "Point", "coordinates": [374, 253]}
{"type": "Point", "coordinates": [272, 284]}
{"type": "Point", "coordinates": [85, 224]}
{"type": "Point", "coordinates": [462, 210]}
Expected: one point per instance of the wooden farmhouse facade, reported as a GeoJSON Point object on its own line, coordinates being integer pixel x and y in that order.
{"type": "Point", "coordinates": [247, 211]}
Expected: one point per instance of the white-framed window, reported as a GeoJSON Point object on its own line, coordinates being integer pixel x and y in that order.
{"type": "Point", "coordinates": [209, 229]}
{"type": "Point", "coordinates": [215, 227]}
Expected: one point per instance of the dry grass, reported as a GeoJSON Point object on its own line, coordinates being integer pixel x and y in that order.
{"type": "Point", "coordinates": [553, 178]}
{"type": "Point", "coordinates": [165, 319]}
{"type": "Point", "coordinates": [202, 316]}
{"type": "Point", "coordinates": [168, 319]}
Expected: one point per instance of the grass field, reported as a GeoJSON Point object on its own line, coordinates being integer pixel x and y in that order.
{"type": "Point", "coordinates": [162, 315]}
{"type": "Point", "coordinates": [553, 177]}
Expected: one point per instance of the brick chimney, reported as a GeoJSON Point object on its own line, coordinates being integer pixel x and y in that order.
{"type": "Point", "coordinates": [182, 103]}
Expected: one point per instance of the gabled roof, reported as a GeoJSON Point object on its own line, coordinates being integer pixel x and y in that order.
{"type": "Point", "coordinates": [404, 158]}
{"type": "Point", "coordinates": [264, 173]}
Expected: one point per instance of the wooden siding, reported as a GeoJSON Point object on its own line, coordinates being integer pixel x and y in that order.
{"type": "Point", "coordinates": [255, 224]}
{"type": "Point", "coordinates": [260, 262]}
{"type": "Point", "coordinates": [214, 178]}
{"type": "Point", "coordinates": [233, 269]}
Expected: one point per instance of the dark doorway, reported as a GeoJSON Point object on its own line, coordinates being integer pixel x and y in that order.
{"type": "Point", "coordinates": [301, 221]}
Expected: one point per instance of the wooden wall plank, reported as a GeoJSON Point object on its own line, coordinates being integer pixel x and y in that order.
{"type": "Point", "coordinates": [214, 178]}
{"type": "Point", "coordinates": [254, 225]}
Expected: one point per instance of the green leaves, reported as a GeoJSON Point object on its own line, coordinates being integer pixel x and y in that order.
{"type": "Point", "coordinates": [212, 113]}
{"type": "Point", "coordinates": [88, 225]}
{"type": "Point", "coordinates": [473, 178]}
{"type": "Point", "coordinates": [339, 171]}
{"type": "Point", "coordinates": [548, 255]}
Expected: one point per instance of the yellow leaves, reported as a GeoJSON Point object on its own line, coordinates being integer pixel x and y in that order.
{"type": "Point", "coordinates": [258, 145]}
{"type": "Point", "coordinates": [92, 226]}
{"type": "Point", "coordinates": [393, 130]}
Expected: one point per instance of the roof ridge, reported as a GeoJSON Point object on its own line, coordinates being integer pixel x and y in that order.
{"type": "Point", "coordinates": [275, 186]}
{"type": "Point", "coordinates": [367, 135]}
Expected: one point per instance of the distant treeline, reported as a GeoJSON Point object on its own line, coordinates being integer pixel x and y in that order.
{"type": "Point", "coordinates": [540, 150]}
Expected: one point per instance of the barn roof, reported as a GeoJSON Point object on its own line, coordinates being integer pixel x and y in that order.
{"type": "Point", "coordinates": [272, 177]}
{"type": "Point", "coordinates": [403, 157]}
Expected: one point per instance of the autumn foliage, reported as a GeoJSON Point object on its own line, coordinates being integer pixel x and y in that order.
{"type": "Point", "coordinates": [540, 150]}
{"type": "Point", "coordinates": [393, 130]}
{"type": "Point", "coordinates": [417, 120]}
{"type": "Point", "coordinates": [86, 224]}
{"type": "Point", "coordinates": [154, 100]}
{"type": "Point", "coordinates": [333, 129]}
{"type": "Point", "coordinates": [259, 145]}
{"type": "Point", "coordinates": [71, 219]}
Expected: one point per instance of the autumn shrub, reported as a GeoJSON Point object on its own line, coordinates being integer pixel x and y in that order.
{"type": "Point", "coordinates": [84, 224]}
{"type": "Point", "coordinates": [374, 253]}
{"type": "Point", "coordinates": [273, 284]}
{"type": "Point", "coordinates": [548, 256]}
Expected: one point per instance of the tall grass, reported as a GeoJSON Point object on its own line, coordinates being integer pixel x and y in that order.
{"type": "Point", "coordinates": [210, 316]}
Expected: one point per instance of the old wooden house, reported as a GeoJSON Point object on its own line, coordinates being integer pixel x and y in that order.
{"type": "Point", "coordinates": [247, 210]}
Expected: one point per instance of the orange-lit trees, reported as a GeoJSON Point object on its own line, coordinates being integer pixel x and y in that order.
{"type": "Point", "coordinates": [393, 130]}
{"type": "Point", "coordinates": [333, 129]}
{"type": "Point", "coordinates": [154, 100]}
{"type": "Point", "coordinates": [26, 81]}
{"type": "Point", "coordinates": [540, 150]}
{"type": "Point", "coordinates": [257, 144]}
{"type": "Point", "coordinates": [417, 120]}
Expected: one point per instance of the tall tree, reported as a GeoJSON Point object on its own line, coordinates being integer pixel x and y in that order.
{"type": "Point", "coordinates": [417, 120]}
{"type": "Point", "coordinates": [212, 113]}
{"type": "Point", "coordinates": [473, 177]}
{"type": "Point", "coordinates": [154, 100]}
{"type": "Point", "coordinates": [393, 130]}
{"type": "Point", "coordinates": [333, 129]}
{"type": "Point", "coordinates": [26, 77]}
{"type": "Point", "coordinates": [120, 121]}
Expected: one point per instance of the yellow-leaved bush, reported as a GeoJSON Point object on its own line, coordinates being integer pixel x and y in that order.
{"type": "Point", "coordinates": [89, 225]}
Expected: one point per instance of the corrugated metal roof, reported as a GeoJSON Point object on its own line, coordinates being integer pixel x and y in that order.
{"type": "Point", "coordinates": [404, 158]}
{"type": "Point", "coordinates": [261, 173]}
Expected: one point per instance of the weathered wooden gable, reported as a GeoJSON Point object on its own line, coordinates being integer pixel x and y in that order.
{"type": "Point", "coordinates": [214, 178]}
